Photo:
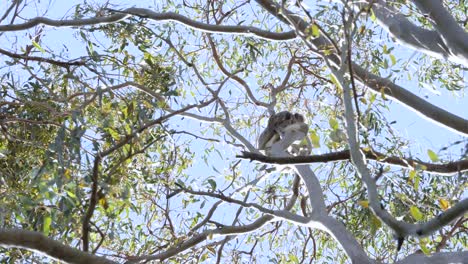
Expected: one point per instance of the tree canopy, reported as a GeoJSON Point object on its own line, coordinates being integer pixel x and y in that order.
{"type": "Point", "coordinates": [128, 132]}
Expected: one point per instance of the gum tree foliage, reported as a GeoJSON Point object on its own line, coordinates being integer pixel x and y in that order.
{"type": "Point", "coordinates": [120, 126]}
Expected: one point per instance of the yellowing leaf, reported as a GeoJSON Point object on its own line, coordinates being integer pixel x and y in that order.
{"type": "Point", "coordinates": [364, 203]}
{"type": "Point", "coordinates": [312, 31]}
{"type": "Point", "coordinates": [67, 174]}
{"type": "Point", "coordinates": [444, 204]}
{"type": "Point", "coordinates": [211, 249]}
{"type": "Point", "coordinates": [416, 213]}
{"type": "Point", "coordinates": [393, 59]}
{"type": "Point", "coordinates": [372, 17]}
{"type": "Point", "coordinates": [315, 30]}
{"type": "Point", "coordinates": [35, 44]}
{"type": "Point", "coordinates": [362, 29]}
{"type": "Point", "coordinates": [103, 202]}
{"type": "Point", "coordinates": [334, 80]}
{"type": "Point", "coordinates": [432, 155]}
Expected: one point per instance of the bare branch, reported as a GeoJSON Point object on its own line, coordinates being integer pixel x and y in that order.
{"type": "Point", "coordinates": [448, 168]}
{"type": "Point", "coordinates": [146, 13]}
{"type": "Point", "coordinates": [63, 23]}
{"type": "Point", "coordinates": [36, 241]}
{"type": "Point", "coordinates": [40, 59]}
{"type": "Point", "coordinates": [282, 214]}
{"type": "Point", "coordinates": [412, 101]}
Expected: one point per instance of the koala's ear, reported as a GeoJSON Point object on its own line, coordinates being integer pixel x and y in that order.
{"type": "Point", "coordinates": [299, 117]}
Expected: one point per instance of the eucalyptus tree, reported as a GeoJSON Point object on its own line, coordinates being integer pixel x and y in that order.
{"type": "Point", "coordinates": [128, 133]}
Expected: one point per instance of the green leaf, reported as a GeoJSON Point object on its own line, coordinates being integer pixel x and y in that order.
{"type": "Point", "coordinates": [315, 139]}
{"type": "Point", "coordinates": [333, 123]}
{"type": "Point", "coordinates": [375, 224]}
{"type": "Point", "coordinates": [414, 178]}
{"type": "Point", "coordinates": [114, 134]}
{"type": "Point", "coordinates": [416, 213]}
{"type": "Point", "coordinates": [423, 246]}
{"type": "Point", "coordinates": [212, 184]}
{"type": "Point", "coordinates": [432, 155]}
{"type": "Point", "coordinates": [416, 182]}
{"type": "Point", "coordinates": [46, 226]}
{"type": "Point", "coordinates": [35, 44]}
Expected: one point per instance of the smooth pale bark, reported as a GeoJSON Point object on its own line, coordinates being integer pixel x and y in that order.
{"type": "Point", "coordinates": [38, 242]}
{"type": "Point", "coordinates": [454, 36]}
{"type": "Point", "coordinates": [319, 217]}
{"type": "Point", "coordinates": [437, 258]}
{"type": "Point", "coordinates": [449, 41]}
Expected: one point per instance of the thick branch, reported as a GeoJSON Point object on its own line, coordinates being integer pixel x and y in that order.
{"type": "Point", "coordinates": [92, 203]}
{"type": "Point", "coordinates": [373, 81]}
{"type": "Point", "coordinates": [447, 168]}
{"type": "Point", "coordinates": [63, 23]}
{"type": "Point", "coordinates": [412, 101]}
{"type": "Point", "coordinates": [319, 217]}
{"type": "Point", "coordinates": [242, 30]}
{"type": "Point", "coordinates": [454, 36]}
{"type": "Point", "coordinates": [436, 258]}
{"type": "Point", "coordinates": [448, 41]}
{"type": "Point", "coordinates": [401, 228]}
{"type": "Point", "coordinates": [36, 241]}
{"type": "Point", "coordinates": [411, 35]}
{"type": "Point", "coordinates": [146, 13]}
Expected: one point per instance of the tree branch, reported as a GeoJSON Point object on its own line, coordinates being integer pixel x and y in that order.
{"type": "Point", "coordinates": [36, 241]}
{"type": "Point", "coordinates": [40, 59]}
{"type": "Point", "coordinates": [146, 13]}
{"type": "Point", "coordinates": [376, 83]}
{"type": "Point", "coordinates": [225, 231]}
{"type": "Point", "coordinates": [401, 228]}
{"type": "Point", "coordinates": [447, 168]}
{"type": "Point", "coordinates": [436, 258]}
{"type": "Point", "coordinates": [454, 36]}
{"type": "Point", "coordinates": [63, 23]}
{"type": "Point", "coordinates": [281, 214]}
{"type": "Point", "coordinates": [412, 101]}
{"type": "Point", "coordinates": [319, 217]}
